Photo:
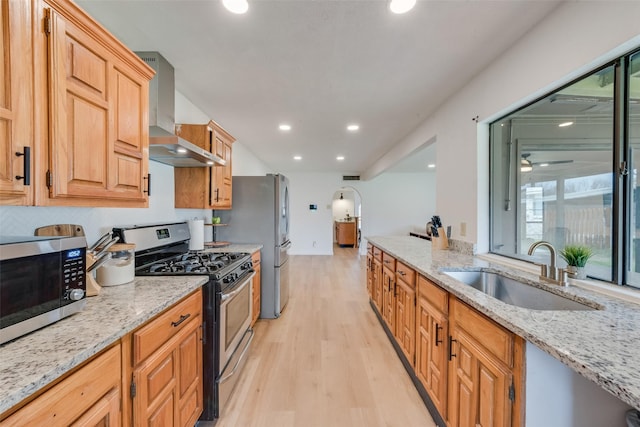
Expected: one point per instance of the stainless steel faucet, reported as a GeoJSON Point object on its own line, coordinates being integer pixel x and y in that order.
{"type": "Point", "coordinates": [550, 273]}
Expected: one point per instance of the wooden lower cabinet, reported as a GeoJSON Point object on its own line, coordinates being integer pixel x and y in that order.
{"type": "Point", "coordinates": [389, 291]}
{"type": "Point", "coordinates": [377, 281]}
{"type": "Point", "coordinates": [432, 331]}
{"type": "Point", "coordinates": [256, 287]}
{"type": "Point", "coordinates": [370, 274]}
{"type": "Point", "coordinates": [471, 368]}
{"type": "Point", "coordinates": [346, 233]}
{"type": "Point", "coordinates": [405, 311]}
{"type": "Point", "coordinates": [481, 381]}
{"type": "Point", "coordinates": [168, 382]}
{"type": "Point", "coordinates": [90, 396]}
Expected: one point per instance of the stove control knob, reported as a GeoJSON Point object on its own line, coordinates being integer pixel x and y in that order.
{"type": "Point", "coordinates": [75, 294]}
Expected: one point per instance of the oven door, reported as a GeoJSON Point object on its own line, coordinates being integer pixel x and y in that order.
{"type": "Point", "coordinates": [235, 318]}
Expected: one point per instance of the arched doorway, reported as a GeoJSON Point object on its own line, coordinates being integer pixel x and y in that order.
{"type": "Point", "coordinates": [347, 218]}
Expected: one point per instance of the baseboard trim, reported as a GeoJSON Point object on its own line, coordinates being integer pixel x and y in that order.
{"type": "Point", "coordinates": [407, 366]}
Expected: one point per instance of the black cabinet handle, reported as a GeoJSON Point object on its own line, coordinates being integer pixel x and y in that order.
{"type": "Point", "coordinates": [148, 190]}
{"type": "Point", "coordinates": [27, 165]}
{"type": "Point", "coordinates": [451, 353]}
{"type": "Point", "coordinates": [182, 319]}
{"type": "Point", "coordinates": [402, 273]}
{"type": "Point", "coordinates": [438, 341]}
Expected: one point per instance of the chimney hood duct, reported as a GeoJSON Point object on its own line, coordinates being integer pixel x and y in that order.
{"type": "Point", "coordinates": [164, 145]}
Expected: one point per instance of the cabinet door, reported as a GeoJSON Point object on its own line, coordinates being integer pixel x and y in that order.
{"type": "Point", "coordinates": [370, 274]}
{"type": "Point", "coordinates": [222, 179]}
{"type": "Point", "coordinates": [389, 298]}
{"type": "Point", "coordinates": [406, 318]}
{"type": "Point", "coordinates": [190, 397]}
{"type": "Point", "coordinates": [478, 387]}
{"type": "Point", "coordinates": [169, 382]}
{"type": "Point", "coordinates": [431, 352]}
{"type": "Point", "coordinates": [377, 284]}
{"type": "Point", "coordinates": [98, 126]}
{"type": "Point", "coordinates": [16, 95]}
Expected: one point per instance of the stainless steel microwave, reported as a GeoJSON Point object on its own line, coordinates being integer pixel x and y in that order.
{"type": "Point", "coordinates": [42, 280]}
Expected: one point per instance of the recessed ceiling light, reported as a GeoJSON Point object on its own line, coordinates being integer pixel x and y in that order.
{"type": "Point", "coordinates": [431, 165]}
{"type": "Point", "coordinates": [353, 127]}
{"type": "Point", "coordinates": [236, 6]}
{"type": "Point", "coordinates": [181, 150]}
{"type": "Point", "coordinates": [340, 158]}
{"type": "Point", "coordinates": [285, 127]}
{"type": "Point", "coordinates": [401, 6]}
{"type": "Point", "coordinates": [565, 124]}
{"type": "Point", "coordinates": [544, 165]}
{"type": "Point", "coordinates": [297, 157]}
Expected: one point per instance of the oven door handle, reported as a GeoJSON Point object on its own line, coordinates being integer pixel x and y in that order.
{"type": "Point", "coordinates": [244, 352]}
{"type": "Point", "coordinates": [237, 290]}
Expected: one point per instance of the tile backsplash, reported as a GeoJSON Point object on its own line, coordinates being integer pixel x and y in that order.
{"type": "Point", "coordinates": [23, 220]}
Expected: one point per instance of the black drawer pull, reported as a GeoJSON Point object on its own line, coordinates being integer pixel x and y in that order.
{"type": "Point", "coordinates": [451, 353]}
{"type": "Point", "coordinates": [27, 165]}
{"type": "Point", "coordinates": [438, 341]}
{"type": "Point", "coordinates": [182, 319]}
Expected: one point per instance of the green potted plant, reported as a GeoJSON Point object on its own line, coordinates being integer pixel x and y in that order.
{"type": "Point", "coordinates": [576, 257]}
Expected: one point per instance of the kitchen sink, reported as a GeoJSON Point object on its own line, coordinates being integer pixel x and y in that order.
{"type": "Point", "coordinates": [516, 293]}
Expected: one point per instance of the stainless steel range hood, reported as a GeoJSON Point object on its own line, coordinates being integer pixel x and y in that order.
{"type": "Point", "coordinates": [164, 146]}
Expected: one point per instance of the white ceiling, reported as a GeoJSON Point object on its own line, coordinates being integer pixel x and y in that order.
{"type": "Point", "coordinates": [319, 65]}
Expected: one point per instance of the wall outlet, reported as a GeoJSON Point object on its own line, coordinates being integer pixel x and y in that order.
{"type": "Point", "coordinates": [463, 229]}
{"type": "Point", "coordinates": [314, 243]}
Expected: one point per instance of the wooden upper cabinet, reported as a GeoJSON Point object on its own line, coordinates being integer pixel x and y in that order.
{"type": "Point", "coordinates": [205, 187]}
{"type": "Point", "coordinates": [222, 185]}
{"type": "Point", "coordinates": [16, 105]}
{"type": "Point", "coordinates": [97, 113]}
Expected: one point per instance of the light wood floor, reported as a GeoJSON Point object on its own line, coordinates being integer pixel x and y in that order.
{"type": "Point", "coordinates": [326, 361]}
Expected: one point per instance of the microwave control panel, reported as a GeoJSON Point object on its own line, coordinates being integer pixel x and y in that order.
{"type": "Point", "coordinates": [74, 274]}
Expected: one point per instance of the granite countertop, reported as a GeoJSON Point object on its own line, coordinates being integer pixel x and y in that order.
{"type": "Point", "coordinates": [29, 363]}
{"type": "Point", "coordinates": [237, 247]}
{"type": "Point", "coordinates": [602, 345]}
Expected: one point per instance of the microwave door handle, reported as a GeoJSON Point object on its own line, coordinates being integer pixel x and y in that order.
{"type": "Point", "coordinates": [236, 291]}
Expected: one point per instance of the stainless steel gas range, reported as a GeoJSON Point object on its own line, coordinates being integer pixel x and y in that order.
{"type": "Point", "coordinates": [162, 250]}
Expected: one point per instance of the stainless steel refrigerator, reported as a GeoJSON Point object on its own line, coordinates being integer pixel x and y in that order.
{"type": "Point", "coordinates": [260, 214]}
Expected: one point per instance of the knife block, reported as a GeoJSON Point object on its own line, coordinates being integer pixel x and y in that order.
{"type": "Point", "coordinates": [440, 242]}
{"type": "Point", "coordinates": [93, 288]}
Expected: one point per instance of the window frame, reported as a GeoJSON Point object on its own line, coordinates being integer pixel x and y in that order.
{"type": "Point", "coordinates": [620, 160]}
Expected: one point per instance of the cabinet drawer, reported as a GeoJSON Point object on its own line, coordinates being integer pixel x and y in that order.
{"type": "Point", "coordinates": [255, 258]}
{"type": "Point", "coordinates": [406, 274]}
{"type": "Point", "coordinates": [489, 334]}
{"type": "Point", "coordinates": [436, 296]}
{"type": "Point", "coordinates": [388, 261]}
{"type": "Point", "coordinates": [65, 402]}
{"type": "Point", "coordinates": [150, 337]}
{"type": "Point", "coordinates": [377, 253]}
{"type": "Point", "coordinates": [370, 248]}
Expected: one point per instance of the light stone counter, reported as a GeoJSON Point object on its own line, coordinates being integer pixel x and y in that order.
{"type": "Point", "coordinates": [602, 345]}
{"type": "Point", "coordinates": [237, 247]}
{"type": "Point", "coordinates": [29, 363]}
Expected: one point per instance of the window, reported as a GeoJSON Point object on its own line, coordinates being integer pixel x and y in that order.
{"type": "Point", "coordinates": [555, 169]}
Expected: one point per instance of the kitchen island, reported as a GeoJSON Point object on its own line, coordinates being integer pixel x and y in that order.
{"type": "Point", "coordinates": [30, 363]}
{"type": "Point", "coordinates": [600, 344]}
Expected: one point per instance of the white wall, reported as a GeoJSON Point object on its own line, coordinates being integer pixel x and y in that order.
{"type": "Point", "coordinates": [19, 220]}
{"type": "Point", "coordinates": [560, 49]}
{"type": "Point", "coordinates": [392, 203]}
